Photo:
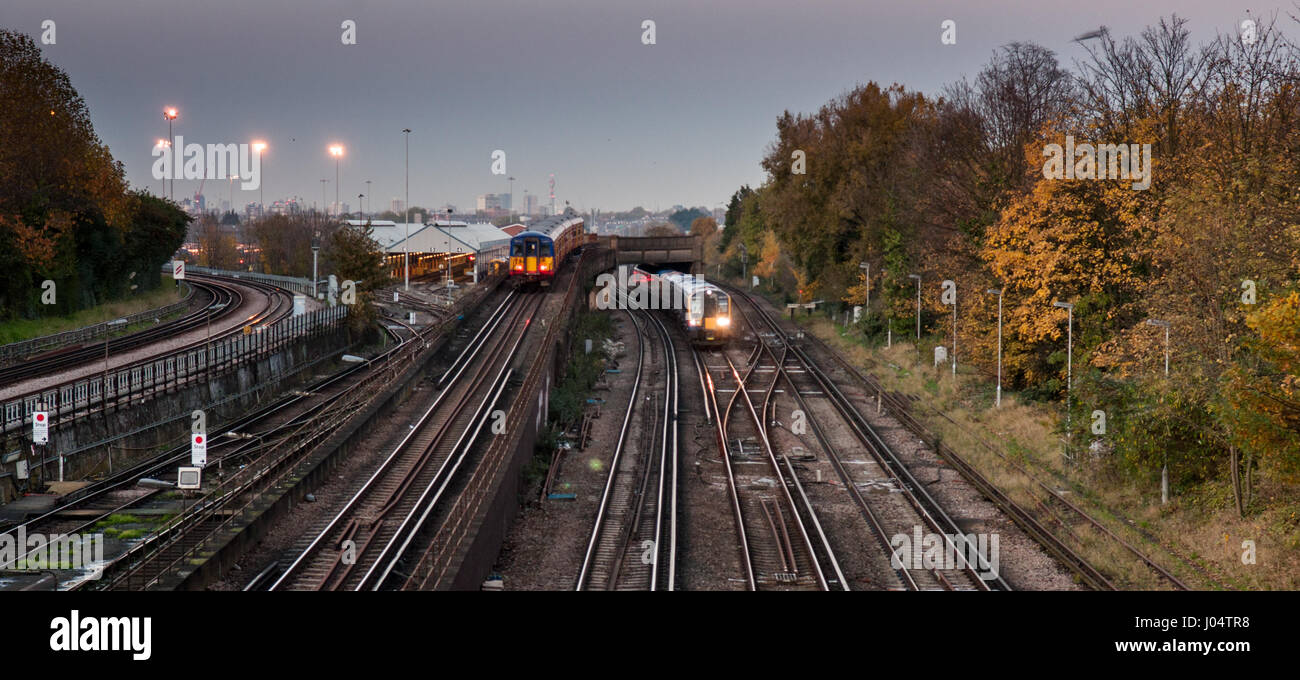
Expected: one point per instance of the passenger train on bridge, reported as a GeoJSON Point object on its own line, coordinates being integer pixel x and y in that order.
{"type": "Point", "coordinates": [537, 253]}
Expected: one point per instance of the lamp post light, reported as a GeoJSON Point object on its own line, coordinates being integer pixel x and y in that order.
{"type": "Point", "coordinates": [260, 146]}
{"type": "Point", "coordinates": [406, 205]}
{"type": "Point", "coordinates": [170, 114]}
{"type": "Point", "coordinates": [337, 151]}
{"type": "Point", "coordinates": [918, 307]}
{"type": "Point", "coordinates": [1069, 370]}
{"type": "Point", "coordinates": [997, 400]}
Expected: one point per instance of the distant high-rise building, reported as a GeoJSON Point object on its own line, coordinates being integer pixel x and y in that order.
{"type": "Point", "coordinates": [530, 204]}
{"type": "Point", "coordinates": [397, 205]}
{"type": "Point", "coordinates": [493, 203]}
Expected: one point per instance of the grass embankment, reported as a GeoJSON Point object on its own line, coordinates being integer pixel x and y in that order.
{"type": "Point", "coordinates": [1199, 525]}
{"type": "Point", "coordinates": [26, 329]}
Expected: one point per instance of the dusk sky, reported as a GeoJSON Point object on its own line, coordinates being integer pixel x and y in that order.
{"type": "Point", "coordinates": [562, 86]}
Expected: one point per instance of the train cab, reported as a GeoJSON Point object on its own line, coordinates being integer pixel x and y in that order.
{"type": "Point", "coordinates": [532, 258]}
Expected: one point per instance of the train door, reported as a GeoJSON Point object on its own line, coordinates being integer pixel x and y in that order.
{"type": "Point", "coordinates": [531, 248]}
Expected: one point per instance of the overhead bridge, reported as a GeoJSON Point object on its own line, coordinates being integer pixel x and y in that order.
{"type": "Point", "coordinates": [679, 252]}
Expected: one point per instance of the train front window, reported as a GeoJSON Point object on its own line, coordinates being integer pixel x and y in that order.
{"type": "Point", "coordinates": [531, 247]}
{"type": "Point", "coordinates": [517, 249]}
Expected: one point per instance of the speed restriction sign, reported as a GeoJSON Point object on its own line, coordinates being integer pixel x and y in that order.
{"type": "Point", "coordinates": [178, 270]}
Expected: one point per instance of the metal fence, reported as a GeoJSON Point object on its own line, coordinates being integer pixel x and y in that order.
{"type": "Point", "coordinates": [24, 348]}
{"type": "Point", "coordinates": [292, 283]}
{"type": "Point", "coordinates": [125, 385]}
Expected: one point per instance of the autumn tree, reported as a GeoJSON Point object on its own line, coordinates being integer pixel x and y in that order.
{"type": "Point", "coordinates": [351, 254]}
{"type": "Point", "coordinates": [65, 212]}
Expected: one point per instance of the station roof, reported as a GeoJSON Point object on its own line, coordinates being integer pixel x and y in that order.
{"type": "Point", "coordinates": [441, 236]}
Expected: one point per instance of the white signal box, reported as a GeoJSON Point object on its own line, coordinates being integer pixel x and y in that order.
{"type": "Point", "coordinates": [189, 478]}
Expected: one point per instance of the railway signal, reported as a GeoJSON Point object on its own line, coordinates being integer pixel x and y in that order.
{"type": "Point", "coordinates": [178, 270]}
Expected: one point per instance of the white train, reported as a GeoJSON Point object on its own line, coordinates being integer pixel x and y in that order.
{"type": "Point", "coordinates": [702, 309]}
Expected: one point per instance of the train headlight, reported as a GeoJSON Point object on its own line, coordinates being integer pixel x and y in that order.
{"type": "Point", "coordinates": [724, 321]}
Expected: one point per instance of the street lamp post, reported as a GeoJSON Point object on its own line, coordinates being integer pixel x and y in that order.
{"type": "Point", "coordinates": [406, 205]}
{"type": "Point", "coordinates": [359, 211]}
{"type": "Point", "coordinates": [1069, 370]}
{"type": "Point", "coordinates": [323, 209]}
{"type": "Point", "coordinates": [315, 248]}
{"type": "Point", "coordinates": [336, 150]}
{"type": "Point", "coordinates": [997, 400]}
{"type": "Point", "coordinates": [867, 267]}
{"type": "Point", "coordinates": [164, 144]}
{"type": "Point", "coordinates": [1164, 325]}
{"type": "Point", "coordinates": [371, 197]}
{"type": "Point", "coordinates": [954, 331]}
{"type": "Point", "coordinates": [259, 147]}
{"type": "Point", "coordinates": [170, 115]}
{"type": "Point", "coordinates": [232, 192]}
{"type": "Point", "coordinates": [918, 307]}
{"type": "Point", "coordinates": [1164, 469]}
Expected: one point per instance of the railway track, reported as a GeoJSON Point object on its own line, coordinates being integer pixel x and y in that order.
{"type": "Point", "coordinates": [120, 493]}
{"type": "Point", "coordinates": [256, 462]}
{"type": "Point", "coordinates": [363, 545]}
{"type": "Point", "coordinates": [633, 544]}
{"type": "Point", "coordinates": [969, 570]}
{"type": "Point", "coordinates": [219, 293]}
{"type": "Point", "coordinates": [66, 357]}
{"type": "Point", "coordinates": [1053, 508]}
{"type": "Point", "coordinates": [778, 549]}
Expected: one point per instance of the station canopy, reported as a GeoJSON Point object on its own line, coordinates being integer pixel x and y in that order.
{"type": "Point", "coordinates": [442, 236]}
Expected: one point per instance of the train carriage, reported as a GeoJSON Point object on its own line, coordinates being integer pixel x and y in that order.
{"type": "Point", "coordinates": [536, 254]}
{"type": "Point", "coordinates": [702, 309]}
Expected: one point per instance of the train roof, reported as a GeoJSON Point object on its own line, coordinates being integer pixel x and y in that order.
{"type": "Point", "coordinates": [688, 282]}
{"type": "Point", "coordinates": [556, 223]}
